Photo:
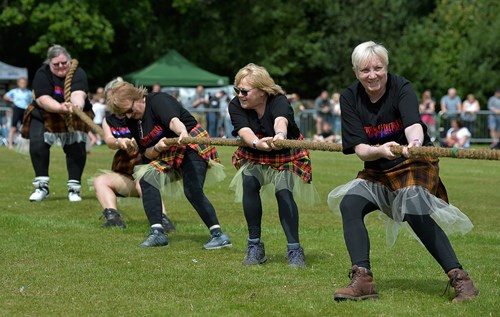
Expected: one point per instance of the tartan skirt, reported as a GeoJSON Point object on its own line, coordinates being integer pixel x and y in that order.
{"type": "Point", "coordinates": [412, 187]}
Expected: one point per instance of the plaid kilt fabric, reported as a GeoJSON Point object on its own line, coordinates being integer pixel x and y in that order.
{"type": "Point", "coordinates": [296, 161]}
{"type": "Point", "coordinates": [55, 122]}
{"type": "Point", "coordinates": [423, 172]}
{"type": "Point", "coordinates": [124, 162]}
{"type": "Point", "coordinates": [171, 159]}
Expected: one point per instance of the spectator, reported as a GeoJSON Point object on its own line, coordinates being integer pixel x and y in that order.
{"type": "Point", "coordinates": [494, 118]}
{"type": "Point", "coordinates": [200, 102]}
{"type": "Point", "coordinates": [49, 120]}
{"type": "Point", "coordinates": [427, 113]}
{"type": "Point", "coordinates": [151, 119]}
{"type": "Point", "coordinates": [326, 134]}
{"type": "Point", "coordinates": [336, 114]}
{"type": "Point", "coordinates": [451, 106]}
{"type": "Point", "coordinates": [261, 115]}
{"type": "Point", "coordinates": [224, 114]}
{"type": "Point", "coordinates": [99, 108]}
{"type": "Point", "coordinates": [298, 108]}
{"type": "Point", "coordinates": [156, 87]}
{"type": "Point", "coordinates": [20, 98]}
{"type": "Point", "coordinates": [323, 106]}
{"type": "Point", "coordinates": [470, 108]}
{"type": "Point", "coordinates": [457, 136]}
{"type": "Point", "coordinates": [212, 115]}
{"type": "Point", "coordinates": [378, 112]}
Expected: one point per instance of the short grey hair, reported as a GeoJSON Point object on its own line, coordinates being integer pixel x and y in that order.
{"type": "Point", "coordinates": [365, 51]}
{"type": "Point", "coordinates": [56, 50]}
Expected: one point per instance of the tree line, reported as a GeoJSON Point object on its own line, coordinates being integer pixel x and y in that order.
{"type": "Point", "coordinates": [306, 45]}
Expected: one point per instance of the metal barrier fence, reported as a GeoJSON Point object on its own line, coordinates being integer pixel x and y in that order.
{"type": "Point", "coordinates": [5, 118]}
{"type": "Point", "coordinates": [307, 124]}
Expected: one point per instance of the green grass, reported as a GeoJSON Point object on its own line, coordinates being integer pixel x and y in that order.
{"type": "Point", "coordinates": [57, 261]}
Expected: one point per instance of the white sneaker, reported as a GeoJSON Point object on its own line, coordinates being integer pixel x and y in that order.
{"type": "Point", "coordinates": [39, 195]}
{"type": "Point", "coordinates": [74, 196]}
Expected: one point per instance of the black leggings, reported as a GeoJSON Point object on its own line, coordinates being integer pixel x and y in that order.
{"type": "Point", "coordinates": [76, 154]}
{"type": "Point", "coordinates": [252, 208]}
{"type": "Point", "coordinates": [354, 208]}
{"type": "Point", "coordinates": [194, 170]}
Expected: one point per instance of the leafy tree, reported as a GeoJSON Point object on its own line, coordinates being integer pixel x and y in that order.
{"type": "Point", "coordinates": [455, 46]}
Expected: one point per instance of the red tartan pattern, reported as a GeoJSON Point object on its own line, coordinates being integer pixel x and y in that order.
{"type": "Point", "coordinates": [423, 172]}
{"type": "Point", "coordinates": [296, 161]}
{"type": "Point", "coordinates": [172, 158]}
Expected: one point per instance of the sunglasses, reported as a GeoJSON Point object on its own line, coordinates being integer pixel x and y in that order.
{"type": "Point", "coordinates": [131, 109]}
{"type": "Point", "coordinates": [60, 64]}
{"type": "Point", "coordinates": [244, 92]}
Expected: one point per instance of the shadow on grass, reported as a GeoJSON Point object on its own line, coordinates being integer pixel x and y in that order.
{"type": "Point", "coordinates": [433, 287]}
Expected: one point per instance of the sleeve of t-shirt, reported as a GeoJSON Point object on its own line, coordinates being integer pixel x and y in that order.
{"type": "Point", "coordinates": [353, 132]}
{"type": "Point", "coordinates": [238, 116]}
{"type": "Point", "coordinates": [42, 85]}
{"type": "Point", "coordinates": [10, 94]}
{"type": "Point", "coordinates": [408, 104]}
{"type": "Point", "coordinates": [281, 107]}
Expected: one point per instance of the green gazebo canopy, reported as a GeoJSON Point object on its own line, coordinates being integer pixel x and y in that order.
{"type": "Point", "coordinates": [173, 70]}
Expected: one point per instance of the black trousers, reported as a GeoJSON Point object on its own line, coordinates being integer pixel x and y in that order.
{"type": "Point", "coordinates": [76, 154]}
{"type": "Point", "coordinates": [354, 208]}
{"type": "Point", "coordinates": [252, 208]}
{"type": "Point", "coordinates": [194, 170]}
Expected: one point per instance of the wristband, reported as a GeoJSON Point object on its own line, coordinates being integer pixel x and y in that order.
{"type": "Point", "coordinates": [254, 143]}
{"type": "Point", "coordinates": [417, 141]}
{"type": "Point", "coordinates": [156, 150]}
{"type": "Point", "coordinates": [116, 141]}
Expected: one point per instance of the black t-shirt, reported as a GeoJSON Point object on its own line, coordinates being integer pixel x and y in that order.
{"type": "Point", "coordinates": [118, 126]}
{"type": "Point", "coordinates": [364, 122]}
{"type": "Point", "coordinates": [46, 83]}
{"type": "Point", "coordinates": [276, 106]}
{"type": "Point", "coordinates": [159, 110]}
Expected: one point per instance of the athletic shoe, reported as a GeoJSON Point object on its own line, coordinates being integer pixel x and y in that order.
{"type": "Point", "coordinates": [74, 188]}
{"type": "Point", "coordinates": [39, 194]}
{"type": "Point", "coordinates": [218, 241]}
{"type": "Point", "coordinates": [156, 238]}
{"type": "Point", "coordinates": [113, 218]}
{"type": "Point", "coordinates": [167, 224]}
{"type": "Point", "coordinates": [256, 254]}
{"type": "Point", "coordinates": [74, 196]}
{"type": "Point", "coordinates": [296, 258]}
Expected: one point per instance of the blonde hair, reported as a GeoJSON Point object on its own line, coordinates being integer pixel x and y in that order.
{"type": "Point", "coordinates": [258, 77]}
{"type": "Point", "coordinates": [365, 51]}
{"type": "Point", "coordinates": [121, 91]}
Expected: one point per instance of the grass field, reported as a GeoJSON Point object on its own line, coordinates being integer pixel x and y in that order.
{"type": "Point", "coordinates": [56, 260]}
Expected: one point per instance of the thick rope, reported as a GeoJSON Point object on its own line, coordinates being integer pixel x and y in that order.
{"type": "Point", "coordinates": [476, 154]}
{"type": "Point", "coordinates": [85, 118]}
{"type": "Point", "coordinates": [68, 118]}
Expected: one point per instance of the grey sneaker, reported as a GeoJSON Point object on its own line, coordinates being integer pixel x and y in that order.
{"type": "Point", "coordinates": [113, 218]}
{"type": "Point", "coordinates": [218, 241]}
{"type": "Point", "coordinates": [256, 254]}
{"type": "Point", "coordinates": [296, 258]}
{"type": "Point", "coordinates": [156, 238]}
{"type": "Point", "coordinates": [167, 224]}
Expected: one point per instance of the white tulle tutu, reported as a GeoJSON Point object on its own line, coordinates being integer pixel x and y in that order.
{"type": "Point", "coordinates": [414, 200]}
{"type": "Point", "coordinates": [272, 181]}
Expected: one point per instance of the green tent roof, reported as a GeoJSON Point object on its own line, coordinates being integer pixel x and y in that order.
{"type": "Point", "coordinates": [173, 70]}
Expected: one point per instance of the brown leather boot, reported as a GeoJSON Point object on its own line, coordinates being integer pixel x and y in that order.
{"type": "Point", "coordinates": [462, 283]}
{"type": "Point", "coordinates": [362, 286]}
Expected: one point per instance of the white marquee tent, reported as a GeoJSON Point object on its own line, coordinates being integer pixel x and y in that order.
{"type": "Point", "coordinates": [9, 72]}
